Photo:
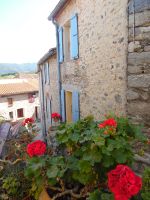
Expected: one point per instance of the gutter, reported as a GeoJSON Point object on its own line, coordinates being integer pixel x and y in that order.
{"type": "Point", "coordinates": [58, 65]}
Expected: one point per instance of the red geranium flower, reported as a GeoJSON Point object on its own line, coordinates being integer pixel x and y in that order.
{"type": "Point", "coordinates": [56, 115]}
{"type": "Point", "coordinates": [36, 148]}
{"type": "Point", "coordinates": [108, 122]}
{"type": "Point", "coordinates": [123, 182]}
{"type": "Point", "coordinates": [27, 121]}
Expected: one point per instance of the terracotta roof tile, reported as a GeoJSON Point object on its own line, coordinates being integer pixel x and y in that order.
{"type": "Point", "coordinates": [26, 86]}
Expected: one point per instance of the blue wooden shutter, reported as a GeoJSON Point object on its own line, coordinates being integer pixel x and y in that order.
{"type": "Point", "coordinates": [60, 44]}
{"type": "Point", "coordinates": [48, 73]}
{"type": "Point", "coordinates": [74, 37]}
{"type": "Point", "coordinates": [63, 113]}
{"type": "Point", "coordinates": [75, 106]}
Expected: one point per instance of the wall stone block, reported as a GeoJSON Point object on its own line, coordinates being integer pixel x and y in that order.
{"type": "Point", "coordinates": [139, 33]}
{"type": "Point", "coordinates": [139, 81]}
{"type": "Point", "coordinates": [131, 95]}
{"type": "Point", "coordinates": [139, 58]}
{"type": "Point", "coordinates": [140, 19]}
{"type": "Point", "coordinates": [134, 47]}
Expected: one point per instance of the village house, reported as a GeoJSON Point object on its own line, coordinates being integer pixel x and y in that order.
{"type": "Point", "coordinates": [103, 58]}
{"type": "Point", "coordinates": [19, 99]}
{"type": "Point", "coordinates": [49, 91]}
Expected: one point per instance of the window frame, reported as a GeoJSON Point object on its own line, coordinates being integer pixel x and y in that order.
{"type": "Point", "coordinates": [10, 102]}
{"type": "Point", "coordinates": [22, 111]}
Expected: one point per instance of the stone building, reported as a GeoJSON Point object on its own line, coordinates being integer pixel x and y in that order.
{"type": "Point", "coordinates": [92, 51]}
{"type": "Point", "coordinates": [19, 99]}
{"type": "Point", "coordinates": [103, 57]}
{"type": "Point", "coordinates": [138, 94]}
{"type": "Point", "coordinates": [49, 92]}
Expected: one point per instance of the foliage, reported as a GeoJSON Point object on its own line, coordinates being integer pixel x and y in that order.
{"type": "Point", "coordinates": [146, 184]}
{"type": "Point", "coordinates": [100, 195]}
{"type": "Point", "coordinates": [2, 119]}
{"type": "Point", "coordinates": [13, 183]}
{"type": "Point", "coordinates": [87, 151]}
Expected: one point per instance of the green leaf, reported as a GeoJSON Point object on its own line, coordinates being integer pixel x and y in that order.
{"type": "Point", "coordinates": [82, 177]}
{"type": "Point", "coordinates": [108, 161]}
{"type": "Point", "coordinates": [98, 140]}
{"type": "Point", "coordinates": [52, 172]}
{"type": "Point", "coordinates": [120, 155]}
{"type": "Point", "coordinates": [75, 137]}
{"type": "Point", "coordinates": [84, 166]}
{"type": "Point", "coordinates": [96, 195]}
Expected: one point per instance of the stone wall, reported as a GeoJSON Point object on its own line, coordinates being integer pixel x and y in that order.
{"type": "Point", "coordinates": [54, 92]}
{"type": "Point", "coordinates": [100, 72]}
{"type": "Point", "coordinates": [138, 94]}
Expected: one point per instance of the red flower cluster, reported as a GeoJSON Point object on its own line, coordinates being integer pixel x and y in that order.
{"type": "Point", "coordinates": [28, 121]}
{"type": "Point", "coordinates": [56, 116]}
{"type": "Point", "coordinates": [123, 182]}
{"type": "Point", "coordinates": [36, 148]}
{"type": "Point", "coordinates": [108, 122]}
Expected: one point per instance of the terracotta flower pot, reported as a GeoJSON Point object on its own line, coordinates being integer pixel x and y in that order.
{"type": "Point", "coordinates": [56, 119]}
{"type": "Point", "coordinates": [44, 195]}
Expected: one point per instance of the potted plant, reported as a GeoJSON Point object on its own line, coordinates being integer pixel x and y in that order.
{"type": "Point", "coordinates": [89, 154]}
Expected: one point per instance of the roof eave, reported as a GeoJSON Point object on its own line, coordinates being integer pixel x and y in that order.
{"type": "Point", "coordinates": [50, 53]}
{"type": "Point", "coordinates": [58, 7]}
{"type": "Point", "coordinates": [17, 93]}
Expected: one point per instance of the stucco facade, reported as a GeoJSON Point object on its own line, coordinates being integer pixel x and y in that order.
{"type": "Point", "coordinates": [99, 74]}
{"type": "Point", "coordinates": [20, 101]}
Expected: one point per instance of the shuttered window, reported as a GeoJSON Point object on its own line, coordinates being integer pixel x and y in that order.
{"type": "Point", "coordinates": [74, 37]}
{"type": "Point", "coordinates": [63, 108]}
{"type": "Point", "coordinates": [75, 106]}
{"type": "Point", "coordinates": [60, 44]}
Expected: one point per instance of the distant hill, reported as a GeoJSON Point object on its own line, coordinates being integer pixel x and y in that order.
{"type": "Point", "coordinates": [6, 68]}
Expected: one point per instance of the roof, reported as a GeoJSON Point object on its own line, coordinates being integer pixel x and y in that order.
{"type": "Point", "coordinates": [50, 53]}
{"type": "Point", "coordinates": [18, 86]}
{"type": "Point", "coordinates": [58, 7]}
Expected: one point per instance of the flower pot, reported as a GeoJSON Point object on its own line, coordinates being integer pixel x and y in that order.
{"type": "Point", "coordinates": [44, 195]}
{"type": "Point", "coordinates": [56, 119]}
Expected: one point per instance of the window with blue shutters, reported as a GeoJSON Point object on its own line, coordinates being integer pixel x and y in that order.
{"type": "Point", "coordinates": [75, 106]}
{"type": "Point", "coordinates": [48, 73]}
{"type": "Point", "coordinates": [74, 37]}
{"type": "Point", "coordinates": [60, 44]}
{"type": "Point", "coordinates": [63, 107]}
{"type": "Point", "coordinates": [66, 40]}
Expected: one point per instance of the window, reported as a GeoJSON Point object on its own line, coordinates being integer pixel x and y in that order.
{"type": "Point", "coordinates": [74, 37]}
{"type": "Point", "coordinates": [10, 102]}
{"type": "Point", "coordinates": [48, 73]}
{"type": "Point", "coordinates": [11, 115]}
{"type": "Point", "coordinates": [20, 113]}
{"type": "Point", "coordinates": [67, 41]}
{"type": "Point", "coordinates": [60, 45]}
{"type": "Point", "coordinates": [45, 72]}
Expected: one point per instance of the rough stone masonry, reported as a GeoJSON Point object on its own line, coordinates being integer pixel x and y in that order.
{"type": "Point", "coordinates": [138, 94]}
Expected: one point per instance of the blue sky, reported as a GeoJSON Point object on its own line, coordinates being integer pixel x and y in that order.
{"type": "Point", "coordinates": [25, 32]}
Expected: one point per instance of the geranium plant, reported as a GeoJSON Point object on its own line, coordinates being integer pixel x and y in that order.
{"type": "Point", "coordinates": [36, 148]}
{"type": "Point", "coordinates": [30, 125]}
{"type": "Point", "coordinates": [56, 116]}
{"type": "Point", "coordinates": [88, 151]}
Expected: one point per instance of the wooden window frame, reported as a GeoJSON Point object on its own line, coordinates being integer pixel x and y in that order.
{"type": "Point", "coordinates": [22, 112]}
